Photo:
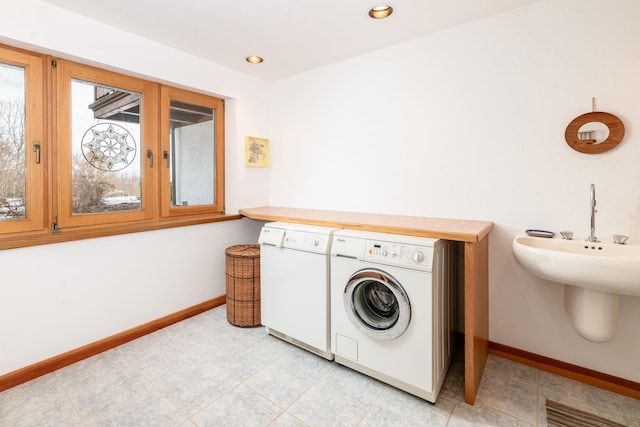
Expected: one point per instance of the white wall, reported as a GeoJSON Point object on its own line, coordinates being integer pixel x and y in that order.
{"type": "Point", "coordinates": [59, 297]}
{"type": "Point", "coordinates": [194, 164]}
{"type": "Point", "coordinates": [55, 298]}
{"type": "Point", "coordinates": [469, 123]}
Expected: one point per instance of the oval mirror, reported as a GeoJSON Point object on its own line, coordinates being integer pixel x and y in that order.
{"type": "Point", "coordinates": [594, 133]}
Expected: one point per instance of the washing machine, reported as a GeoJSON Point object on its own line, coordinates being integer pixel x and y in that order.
{"type": "Point", "coordinates": [392, 308]}
{"type": "Point", "coordinates": [294, 284]}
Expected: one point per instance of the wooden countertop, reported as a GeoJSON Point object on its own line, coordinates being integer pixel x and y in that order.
{"type": "Point", "coordinates": [440, 228]}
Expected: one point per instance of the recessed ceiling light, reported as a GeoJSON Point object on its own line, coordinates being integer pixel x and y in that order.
{"type": "Point", "coordinates": [380, 12]}
{"type": "Point", "coordinates": [253, 59]}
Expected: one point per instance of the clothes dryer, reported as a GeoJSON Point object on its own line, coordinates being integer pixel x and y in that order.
{"type": "Point", "coordinates": [392, 306]}
{"type": "Point", "coordinates": [294, 284]}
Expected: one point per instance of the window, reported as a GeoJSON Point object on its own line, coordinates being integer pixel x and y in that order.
{"type": "Point", "coordinates": [118, 154]}
{"type": "Point", "coordinates": [191, 130]}
{"type": "Point", "coordinates": [104, 174]}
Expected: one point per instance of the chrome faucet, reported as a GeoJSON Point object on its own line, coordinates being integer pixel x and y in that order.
{"type": "Point", "coordinates": [592, 237]}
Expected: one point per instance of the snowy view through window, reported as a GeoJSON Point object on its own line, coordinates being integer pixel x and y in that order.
{"type": "Point", "coordinates": [12, 142]}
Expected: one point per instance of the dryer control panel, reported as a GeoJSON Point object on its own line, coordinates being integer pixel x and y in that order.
{"type": "Point", "coordinates": [308, 238]}
{"type": "Point", "coordinates": [399, 254]}
{"type": "Point", "coordinates": [306, 241]}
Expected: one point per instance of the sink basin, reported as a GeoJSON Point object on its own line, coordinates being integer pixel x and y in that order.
{"type": "Point", "coordinates": [594, 275]}
{"type": "Point", "coordinates": [603, 266]}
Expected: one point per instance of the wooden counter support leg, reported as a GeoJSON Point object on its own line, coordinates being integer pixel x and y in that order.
{"type": "Point", "coordinates": [476, 314]}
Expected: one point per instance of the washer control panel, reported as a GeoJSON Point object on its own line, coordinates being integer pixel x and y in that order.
{"type": "Point", "coordinates": [400, 254]}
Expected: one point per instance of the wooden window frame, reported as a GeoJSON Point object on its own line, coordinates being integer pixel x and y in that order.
{"type": "Point", "coordinates": [64, 73]}
{"type": "Point", "coordinates": [49, 211]}
{"type": "Point", "coordinates": [166, 95]}
{"type": "Point", "coordinates": [35, 203]}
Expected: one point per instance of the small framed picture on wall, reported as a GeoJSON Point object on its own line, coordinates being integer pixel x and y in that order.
{"type": "Point", "coordinates": [256, 152]}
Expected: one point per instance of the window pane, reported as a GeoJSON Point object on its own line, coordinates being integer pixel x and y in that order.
{"type": "Point", "coordinates": [192, 154]}
{"type": "Point", "coordinates": [106, 159]}
{"type": "Point", "coordinates": [12, 142]}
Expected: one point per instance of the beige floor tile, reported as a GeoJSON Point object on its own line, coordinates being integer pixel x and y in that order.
{"type": "Point", "coordinates": [328, 404]}
{"type": "Point", "coordinates": [504, 392]}
{"type": "Point", "coordinates": [239, 407]}
{"type": "Point", "coordinates": [481, 416]}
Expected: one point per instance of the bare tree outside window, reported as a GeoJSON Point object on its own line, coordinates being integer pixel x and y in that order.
{"type": "Point", "coordinates": [95, 190]}
{"type": "Point", "coordinates": [13, 174]}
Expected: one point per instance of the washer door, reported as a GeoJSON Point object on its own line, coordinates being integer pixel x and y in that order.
{"type": "Point", "coordinates": [377, 304]}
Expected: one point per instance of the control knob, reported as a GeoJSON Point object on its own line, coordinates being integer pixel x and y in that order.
{"type": "Point", "coordinates": [417, 257]}
{"type": "Point", "coordinates": [316, 242]}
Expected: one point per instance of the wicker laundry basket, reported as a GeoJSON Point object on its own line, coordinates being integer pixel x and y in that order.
{"type": "Point", "coordinates": [243, 285]}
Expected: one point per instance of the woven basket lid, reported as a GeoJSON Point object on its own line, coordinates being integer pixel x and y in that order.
{"type": "Point", "coordinates": [243, 251]}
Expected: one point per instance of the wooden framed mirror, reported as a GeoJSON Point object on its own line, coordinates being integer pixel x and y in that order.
{"type": "Point", "coordinates": [594, 133]}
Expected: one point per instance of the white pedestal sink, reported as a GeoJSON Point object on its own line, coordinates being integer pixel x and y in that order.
{"type": "Point", "coordinates": [594, 276]}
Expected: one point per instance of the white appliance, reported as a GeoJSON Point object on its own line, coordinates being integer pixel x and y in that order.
{"type": "Point", "coordinates": [392, 314]}
{"type": "Point", "coordinates": [294, 284]}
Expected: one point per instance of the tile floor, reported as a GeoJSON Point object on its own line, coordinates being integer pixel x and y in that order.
{"type": "Point", "coordinates": [205, 372]}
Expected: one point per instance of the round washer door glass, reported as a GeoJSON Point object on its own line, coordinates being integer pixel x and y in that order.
{"type": "Point", "coordinates": [377, 304]}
